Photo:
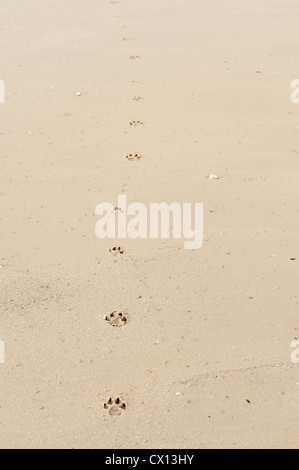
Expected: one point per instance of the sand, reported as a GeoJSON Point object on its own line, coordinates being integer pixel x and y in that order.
{"type": "Point", "coordinates": [204, 358]}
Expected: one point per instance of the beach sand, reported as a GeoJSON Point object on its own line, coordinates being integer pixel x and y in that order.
{"type": "Point", "coordinates": [204, 360]}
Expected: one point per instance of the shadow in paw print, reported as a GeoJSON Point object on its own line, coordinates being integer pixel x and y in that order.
{"type": "Point", "coordinates": [115, 407]}
{"type": "Point", "coordinates": [116, 319]}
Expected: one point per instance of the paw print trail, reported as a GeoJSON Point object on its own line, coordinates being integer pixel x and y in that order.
{"type": "Point", "coordinates": [117, 319]}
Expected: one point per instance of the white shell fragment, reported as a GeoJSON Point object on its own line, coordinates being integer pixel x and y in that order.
{"type": "Point", "coordinates": [78, 93]}
{"type": "Point", "coordinates": [212, 176]}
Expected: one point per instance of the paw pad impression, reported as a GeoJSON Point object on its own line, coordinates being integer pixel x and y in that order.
{"type": "Point", "coordinates": [116, 250]}
{"type": "Point", "coordinates": [116, 319]}
{"type": "Point", "coordinates": [133, 157]}
{"type": "Point", "coordinates": [115, 407]}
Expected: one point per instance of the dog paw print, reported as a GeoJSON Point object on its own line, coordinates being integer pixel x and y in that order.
{"type": "Point", "coordinates": [134, 57]}
{"type": "Point", "coordinates": [137, 98]}
{"type": "Point", "coordinates": [133, 157]}
{"type": "Point", "coordinates": [117, 319]}
{"type": "Point", "coordinates": [116, 250]}
{"type": "Point", "coordinates": [115, 407]}
{"type": "Point", "coordinates": [136, 123]}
